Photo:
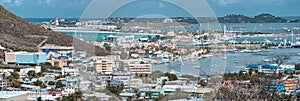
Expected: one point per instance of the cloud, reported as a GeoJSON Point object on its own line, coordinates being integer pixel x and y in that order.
{"type": "Point", "coordinates": [7, 1]}
{"type": "Point", "coordinates": [17, 2]}
{"type": "Point", "coordinates": [230, 2]}
{"type": "Point", "coordinates": [48, 1]}
{"type": "Point", "coordinates": [11, 2]}
{"type": "Point", "coordinates": [225, 2]}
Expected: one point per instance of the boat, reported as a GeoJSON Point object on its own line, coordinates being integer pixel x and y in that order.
{"type": "Point", "coordinates": [224, 58]}
{"type": "Point", "coordinates": [266, 60]}
{"type": "Point", "coordinates": [207, 55]}
{"type": "Point", "coordinates": [249, 51]}
{"type": "Point", "coordinates": [236, 61]}
{"type": "Point", "coordinates": [266, 41]}
{"type": "Point", "coordinates": [246, 41]}
{"type": "Point", "coordinates": [296, 45]}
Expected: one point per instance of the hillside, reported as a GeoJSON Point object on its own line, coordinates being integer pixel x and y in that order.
{"type": "Point", "coordinates": [19, 35]}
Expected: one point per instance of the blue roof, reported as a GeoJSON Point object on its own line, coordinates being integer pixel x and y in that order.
{"type": "Point", "coordinates": [289, 69]}
{"type": "Point", "coordinates": [253, 66]}
{"type": "Point", "coordinates": [63, 57]}
{"type": "Point", "coordinates": [269, 66]}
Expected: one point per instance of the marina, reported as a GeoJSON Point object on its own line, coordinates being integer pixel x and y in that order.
{"type": "Point", "coordinates": [233, 63]}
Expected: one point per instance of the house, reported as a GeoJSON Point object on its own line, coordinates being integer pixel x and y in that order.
{"type": "Point", "coordinates": [59, 63]}
{"type": "Point", "coordinates": [161, 79]}
{"type": "Point", "coordinates": [71, 71]}
{"type": "Point", "coordinates": [25, 58]}
{"type": "Point", "coordinates": [289, 84]}
{"type": "Point", "coordinates": [13, 95]}
{"type": "Point", "coordinates": [24, 71]}
{"type": "Point", "coordinates": [270, 68]}
{"type": "Point", "coordinates": [276, 85]}
{"type": "Point", "coordinates": [99, 96]}
{"type": "Point", "coordinates": [151, 93]}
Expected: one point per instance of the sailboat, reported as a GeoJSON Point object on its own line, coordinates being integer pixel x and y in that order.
{"type": "Point", "coordinates": [181, 61]}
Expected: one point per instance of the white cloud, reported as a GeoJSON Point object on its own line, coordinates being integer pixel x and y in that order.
{"type": "Point", "coordinates": [7, 1]}
{"type": "Point", "coordinates": [225, 2]}
{"type": "Point", "coordinates": [11, 2]}
{"type": "Point", "coordinates": [48, 1]}
{"type": "Point", "coordinates": [229, 2]}
{"type": "Point", "coordinates": [17, 2]}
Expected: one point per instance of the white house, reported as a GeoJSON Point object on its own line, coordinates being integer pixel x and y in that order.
{"type": "Point", "coordinates": [23, 72]}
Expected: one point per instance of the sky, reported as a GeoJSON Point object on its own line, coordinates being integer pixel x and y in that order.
{"type": "Point", "coordinates": [75, 8]}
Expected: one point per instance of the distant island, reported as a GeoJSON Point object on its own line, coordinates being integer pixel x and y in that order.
{"type": "Point", "coordinates": [262, 18]}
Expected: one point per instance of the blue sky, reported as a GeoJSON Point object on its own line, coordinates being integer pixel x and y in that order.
{"type": "Point", "coordinates": [74, 8]}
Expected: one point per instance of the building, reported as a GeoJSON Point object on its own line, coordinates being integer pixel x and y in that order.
{"type": "Point", "coordinates": [63, 50]}
{"type": "Point", "coordinates": [25, 58]}
{"type": "Point", "coordinates": [270, 68]}
{"type": "Point", "coordinates": [121, 76]}
{"type": "Point", "coordinates": [6, 71]}
{"type": "Point", "coordinates": [24, 71]}
{"type": "Point", "coordinates": [104, 65]}
{"type": "Point", "coordinates": [71, 71]}
{"type": "Point", "coordinates": [278, 86]}
{"type": "Point", "coordinates": [13, 95]}
{"type": "Point", "coordinates": [151, 93]}
{"type": "Point", "coordinates": [141, 69]}
{"type": "Point", "coordinates": [4, 83]}
{"type": "Point", "coordinates": [59, 63]}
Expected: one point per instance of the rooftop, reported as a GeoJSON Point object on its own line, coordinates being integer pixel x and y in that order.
{"type": "Point", "coordinates": [9, 94]}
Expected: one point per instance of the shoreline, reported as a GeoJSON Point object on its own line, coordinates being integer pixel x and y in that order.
{"type": "Point", "coordinates": [104, 32]}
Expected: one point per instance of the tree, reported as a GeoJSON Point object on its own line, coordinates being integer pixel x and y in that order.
{"type": "Point", "coordinates": [115, 89]}
{"type": "Point", "coordinates": [51, 83]}
{"type": "Point", "coordinates": [172, 77]}
{"type": "Point", "coordinates": [59, 84]}
{"type": "Point", "coordinates": [203, 82]}
{"type": "Point", "coordinates": [39, 83]}
{"type": "Point", "coordinates": [31, 73]}
{"type": "Point", "coordinates": [106, 46]}
{"type": "Point", "coordinates": [164, 82]}
{"type": "Point", "coordinates": [16, 84]}
{"type": "Point", "coordinates": [15, 75]}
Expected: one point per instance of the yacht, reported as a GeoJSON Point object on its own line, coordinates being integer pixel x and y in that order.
{"type": "Point", "coordinates": [296, 45]}
{"type": "Point", "coordinates": [266, 41]}
{"type": "Point", "coordinates": [266, 60]}
{"type": "Point", "coordinates": [236, 61]}
{"type": "Point", "coordinates": [246, 41]}
{"type": "Point", "coordinates": [249, 51]}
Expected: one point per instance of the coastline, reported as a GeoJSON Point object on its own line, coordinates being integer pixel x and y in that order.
{"type": "Point", "coordinates": [105, 32]}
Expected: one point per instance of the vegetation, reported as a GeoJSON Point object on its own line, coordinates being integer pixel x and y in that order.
{"type": "Point", "coordinates": [262, 18]}
{"type": "Point", "coordinates": [172, 77]}
{"type": "Point", "coordinates": [115, 89]}
{"type": "Point", "coordinates": [59, 84]}
{"type": "Point", "coordinates": [77, 96]}
{"type": "Point", "coordinates": [31, 73]}
{"type": "Point", "coordinates": [39, 83]}
{"type": "Point", "coordinates": [297, 66]}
